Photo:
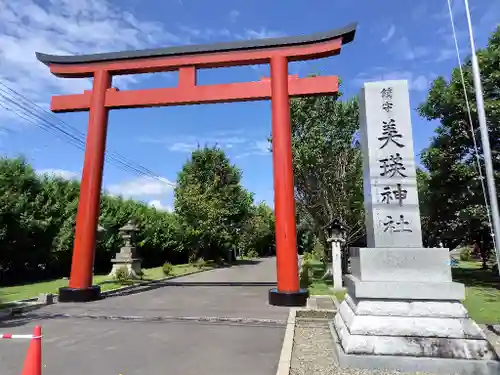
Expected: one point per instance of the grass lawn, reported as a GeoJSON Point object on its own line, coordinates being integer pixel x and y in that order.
{"type": "Point", "coordinates": [482, 289]}
{"type": "Point", "coordinates": [319, 287]}
{"type": "Point", "coordinates": [18, 292]}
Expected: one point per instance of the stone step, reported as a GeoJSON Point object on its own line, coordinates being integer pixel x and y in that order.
{"type": "Point", "coordinates": [493, 334]}
{"type": "Point", "coordinates": [321, 303]}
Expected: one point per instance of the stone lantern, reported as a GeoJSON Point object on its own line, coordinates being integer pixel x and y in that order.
{"type": "Point", "coordinates": [336, 237]}
{"type": "Point", "coordinates": [100, 232]}
{"type": "Point", "coordinates": [126, 258]}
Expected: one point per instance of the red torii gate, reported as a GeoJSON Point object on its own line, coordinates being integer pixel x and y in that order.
{"type": "Point", "coordinates": [186, 60]}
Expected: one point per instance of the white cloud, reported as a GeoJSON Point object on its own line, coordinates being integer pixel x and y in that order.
{"type": "Point", "coordinates": [66, 27]}
{"type": "Point", "coordinates": [457, 8]}
{"type": "Point", "coordinates": [258, 148]}
{"type": "Point", "coordinates": [142, 186]}
{"type": "Point", "coordinates": [207, 33]}
{"type": "Point", "coordinates": [416, 82]}
{"type": "Point", "coordinates": [189, 143]}
{"type": "Point", "coordinates": [204, 34]}
{"type": "Point", "coordinates": [62, 173]}
{"type": "Point", "coordinates": [448, 53]}
{"type": "Point", "coordinates": [404, 50]}
{"type": "Point", "coordinates": [79, 27]}
{"type": "Point", "coordinates": [233, 15]}
{"type": "Point", "coordinates": [261, 33]}
{"type": "Point", "coordinates": [227, 140]}
{"type": "Point", "coordinates": [229, 132]}
{"type": "Point", "coordinates": [446, 48]}
{"type": "Point", "coordinates": [263, 146]}
{"type": "Point", "coordinates": [183, 147]}
{"type": "Point", "coordinates": [160, 206]}
{"type": "Point", "coordinates": [484, 19]}
{"type": "Point", "coordinates": [389, 35]}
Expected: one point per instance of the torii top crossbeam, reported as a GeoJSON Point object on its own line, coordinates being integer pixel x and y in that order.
{"type": "Point", "coordinates": [186, 59]}
{"type": "Point", "coordinates": [312, 46]}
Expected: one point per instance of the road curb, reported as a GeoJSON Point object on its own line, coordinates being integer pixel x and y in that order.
{"type": "Point", "coordinates": [287, 348]}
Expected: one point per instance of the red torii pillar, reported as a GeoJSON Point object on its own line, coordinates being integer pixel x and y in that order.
{"type": "Point", "coordinates": [284, 200]}
{"type": "Point", "coordinates": [186, 60]}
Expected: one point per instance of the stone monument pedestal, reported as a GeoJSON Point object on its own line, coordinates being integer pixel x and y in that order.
{"type": "Point", "coordinates": [404, 312]}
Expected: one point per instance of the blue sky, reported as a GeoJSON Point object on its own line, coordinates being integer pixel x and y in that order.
{"type": "Point", "coordinates": [396, 39]}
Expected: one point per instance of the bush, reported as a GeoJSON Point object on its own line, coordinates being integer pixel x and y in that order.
{"type": "Point", "coordinates": [252, 254]}
{"type": "Point", "coordinates": [122, 275]}
{"type": "Point", "coordinates": [200, 263]}
{"type": "Point", "coordinates": [167, 268]}
{"type": "Point", "coordinates": [307, 257]}
{"type": "Point", "coordinates": [318, 251]}
{"type": "Point", "coordinates": [494, 269]}
{"type": "Point", "coordinates": [305, 274]}
{"type": "Point", "coordinates": [465, 254]}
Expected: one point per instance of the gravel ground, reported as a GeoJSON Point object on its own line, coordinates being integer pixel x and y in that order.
{"type": "Point", "coordinates": [312, 353]}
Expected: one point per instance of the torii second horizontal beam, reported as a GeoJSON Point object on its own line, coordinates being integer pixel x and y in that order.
{"type": "Point", "coordinates": [204, 94]}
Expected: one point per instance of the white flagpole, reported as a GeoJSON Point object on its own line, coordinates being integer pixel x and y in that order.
{"type": "Point", "coordinates": [490, 179]}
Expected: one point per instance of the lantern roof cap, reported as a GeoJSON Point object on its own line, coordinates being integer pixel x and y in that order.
{"type": "Point", "coordinates": [129, 227]}
{"type": "Point", "coordinates": [336, 222]}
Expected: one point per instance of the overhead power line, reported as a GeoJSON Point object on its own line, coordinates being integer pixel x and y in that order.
{"type": "Point", "coordinates": [21, 106]}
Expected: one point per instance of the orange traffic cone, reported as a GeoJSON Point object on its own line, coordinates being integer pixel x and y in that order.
{"type": "Point", "coordinates": [33, 361]}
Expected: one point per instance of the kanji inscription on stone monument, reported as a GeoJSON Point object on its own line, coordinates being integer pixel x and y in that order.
{"type": "Point", "coordinates": [390, 184]}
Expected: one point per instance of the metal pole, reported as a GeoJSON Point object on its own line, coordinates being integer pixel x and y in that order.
{"type": "Point", "coordinates": [490, 179]}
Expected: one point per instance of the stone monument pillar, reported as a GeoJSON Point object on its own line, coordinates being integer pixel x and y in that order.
{"type": "Point", "coordinates": [126, 258]}
{"type": "Point", "coordinates": [402, 310]}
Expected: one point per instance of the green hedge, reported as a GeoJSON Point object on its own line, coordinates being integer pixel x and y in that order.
{"type": "Point", "coordinates": [37, 219]}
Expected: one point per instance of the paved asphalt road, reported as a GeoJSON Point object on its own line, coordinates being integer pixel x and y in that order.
{"type": "Point", "coordinates": [166, 334]}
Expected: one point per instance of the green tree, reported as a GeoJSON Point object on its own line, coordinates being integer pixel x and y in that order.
{"type": "Point", "coordinates": [327, 163]}
{"type": "Point", "coordinates": [306, 231]}
{"type": "Point", "coordinates": [425, 210]}
{"type": "Point", "coordinates": [58, 201]}
{"type": "Point", "coordinates": [37, 222]}
{"type": "Point", "coordinates": [454, 201]}
{"type": "Point", "coordinates": [211, 204]}
{"type": "Point", "coordinates": [24, 247]}
{"type": "Point", "coordinates": [258, 234]}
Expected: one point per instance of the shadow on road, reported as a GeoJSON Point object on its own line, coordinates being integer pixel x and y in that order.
{"type": "Point", "coordinates": [242, 262]}
{"type": "Point", "coordinates": [163, 284]}
{"type": "Point", "coordinates": [15, 321]}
